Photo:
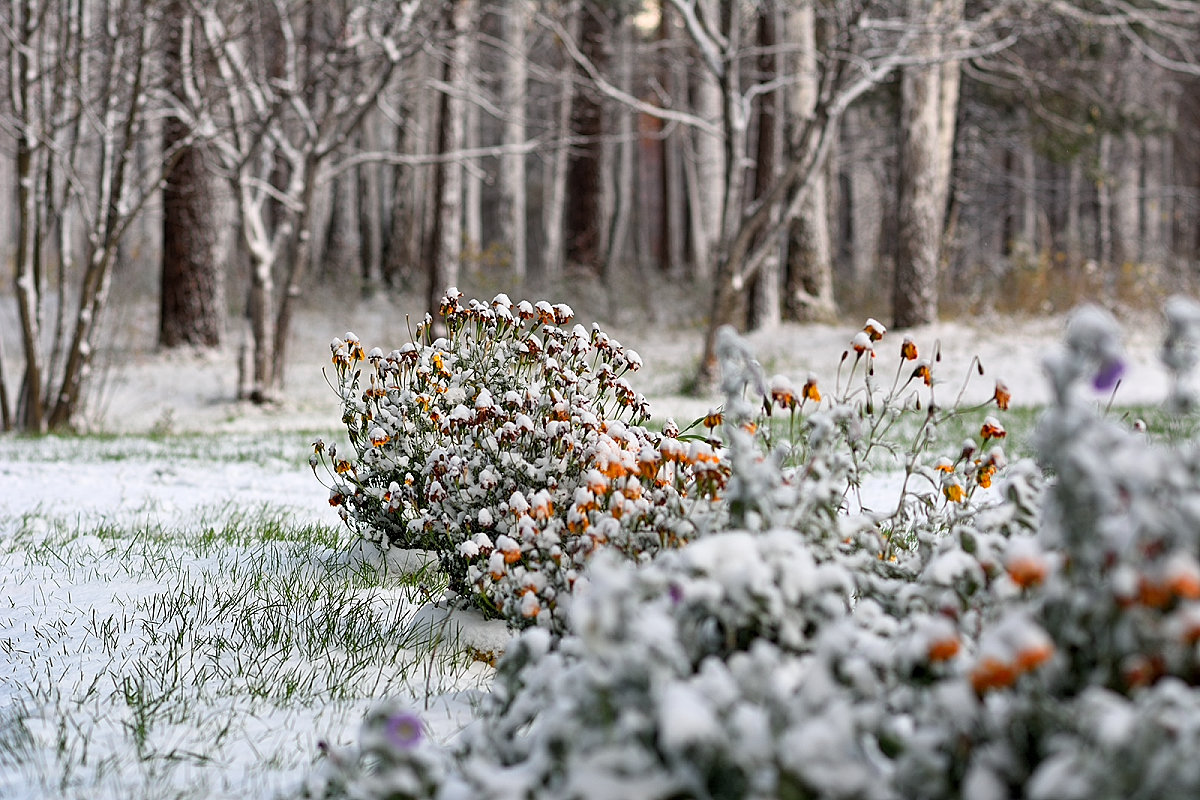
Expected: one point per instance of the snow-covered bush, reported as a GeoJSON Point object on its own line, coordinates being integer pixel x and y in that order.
{"type": "Point", "coordinates": [514, 447]}
{"type": "Point", "coordinates": [1046, 645]}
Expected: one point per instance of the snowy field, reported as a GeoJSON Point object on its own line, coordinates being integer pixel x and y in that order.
{"type": "Point", "coordinates": [181, 614]}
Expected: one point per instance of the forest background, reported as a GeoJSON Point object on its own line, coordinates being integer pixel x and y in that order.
{"type": "Point", "coordinates": [772, 160]}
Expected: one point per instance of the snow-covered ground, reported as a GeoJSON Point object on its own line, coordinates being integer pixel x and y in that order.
{"type": "Point", "coordinates": [145, 390]}
{"type": "Point", "coordinates": [163, 601]}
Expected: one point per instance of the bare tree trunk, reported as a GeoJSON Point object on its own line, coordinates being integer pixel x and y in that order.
{"type": "Point", "coordinates": [446, 257]}
{"type": "Point", "coordinates": [513, 199]}
{"type": "Point", "coordinates": [192, 294]}
{"type": "Point", "coordinates": [920, 218]}
{"type": "Point", "coordinates": [370, 212]}
{"type": "Point", "coordinates": [809, 292]}
{"type": "Point", "coordinates": [27, 284]}
{"type": "Point", "coordinates": [1127, 202]}
{"type": "Point", "coordinates": [675, 199]}
{"type": "Point", "coordinates": [624, 194]}
{"type": "Point", "coordinates": [764, 295]}
{"type": "Point", "coordinates": [1074, 223]}
{"type": "Point", "coordinates": [710, 171]}
{"type": "Point", "coordinates": [1104, 205]}
{"type": "Point", "coordinates": [342, 260]}
{"type": "Point", "coordinates": [472, 174]}
{"type": "Point", "coordinates": [584, 218]}
{"type": "Point", "coordinates": [554, 205]}
{"type": "Point", "coordinates": [402, 245]}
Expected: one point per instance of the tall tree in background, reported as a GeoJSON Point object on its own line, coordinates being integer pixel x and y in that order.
{"type": "Point", "coordinates": [192, 295]}
{"type": "Point", "coordinates": [516, 17]}
{"type": "Point", "coordinates": [445, 254]}
{"type": "Point", "coordinates": [928, 100]}
{"type": "Point", "coordinates": [808, 285]}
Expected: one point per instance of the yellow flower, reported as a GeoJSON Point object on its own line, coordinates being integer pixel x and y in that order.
{"type": "Point", "coordinates": [908, 349]}
{"type": "Point", "coordinates": [810, 391]}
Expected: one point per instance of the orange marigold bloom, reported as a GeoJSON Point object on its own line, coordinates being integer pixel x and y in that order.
{"type": "Point", "coordinates": [954, 492]}
{"type": "Point", "coordinates": [861, 343]}
{"type": "Point", "coordinates": [944, 649]}
{"type": "Point", "coordinates": [944, 464]}
{"type": "Point", "coordinates": [810, 391]}
{"type": "Point", "coordinates": [984, 476]}
{"type": "Point", "coordinates": [713, 419]}
{"type": "Point", "coordinates": [342, 466]}
{"type": "Point", "coordinates": [1026, 570]}
{"type": "Point", "coordinates": [512, 556]}
{"type": "Point", "coordinates": [1002, 396]}
{"type": "Point", "coordinates": [1183, 578]}
{"type": "Point", "coordinates": [1153, 593]}
{"type": "Point", "coordinates": [875, 329]}
{"type": "Point", "coordinates": [908, 349]}
{"type": "Point", "coordinates": [1034, 655]}
{"type": "Point", "coordinates": [992, 673]}
{"type": "Point", "coordinates": [992, 429]}
{"type": "Point", "coordinates": [923, 372]}
{"type": "Point", "coordinates": [750, 427]}
{"type": "Point", "coordinates": [784, 398]}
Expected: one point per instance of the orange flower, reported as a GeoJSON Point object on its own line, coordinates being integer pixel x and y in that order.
{"type": "Point", "coordinates": [713, 419]}
{"type": "Point", "coordinates": [944, 464]}
{"type": "Point", "coordinates": [908, 349]}
{"type": "Point", "coordinates": [984, 476]}
{"type": "Point", "coordinates": [750, 427]}
{"type": "Point", "coordinates": [922, 371]}
{"type": "Point", "coordinates": [1153, 593]}
{"type": "Point", "coordinates": [954, 492]}
{"type": "Point", "coordinates": [874, 329]}
{"type": "Point", "coordinates": [992, 673]}
{"type": "Point", "coordinates": [1183, 578]}
{"type": "Point", "coordinates": [943, 649]}
{"type": "Point", "coordinates": [810, 390]}
{"type": "Point", "coordinates": [862, 343]}
{"type": "Point", "coordinates": [342, 466]}
{"type": "Point", "coordinates": [1033, 655]}
{"type": "Point", "coordinates": [379, 437]}
{"type": "Point", "coordinates": [992, 429]}
{"type": "Point", "coordinates": [1002, 396]}
{"type": "Point", "coordinates": [595, 481]}
{"type": "Point", "coordinates": [1026, 570]}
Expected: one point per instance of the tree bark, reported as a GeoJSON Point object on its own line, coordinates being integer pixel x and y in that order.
{"type": "Point", "coordinates": [809, 273]}
{"type": "Point", "coordinates": [446, 257]}
{"type": "Point", "coordinates": [192, 294]}
{"type": "Point", "coordinates": [584, 217]}
{"type": "Point", "coordinates": [555, 197]}
{"type": "Point", "coordinates": [513, 192]}
{"type": "Point", "coordinates": [920, 217]}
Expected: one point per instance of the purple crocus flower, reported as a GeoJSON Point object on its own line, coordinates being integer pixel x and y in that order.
{"type": "Point", "coordinates": [1108, 375]}
{"type": "Point", "coordinates": [403, 730]}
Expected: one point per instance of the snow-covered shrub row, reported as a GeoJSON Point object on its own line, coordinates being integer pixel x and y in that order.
{"type": "Point", "coordinates": [514, 447]}
{"type": "Point", "coordinates": [1045, 646]}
